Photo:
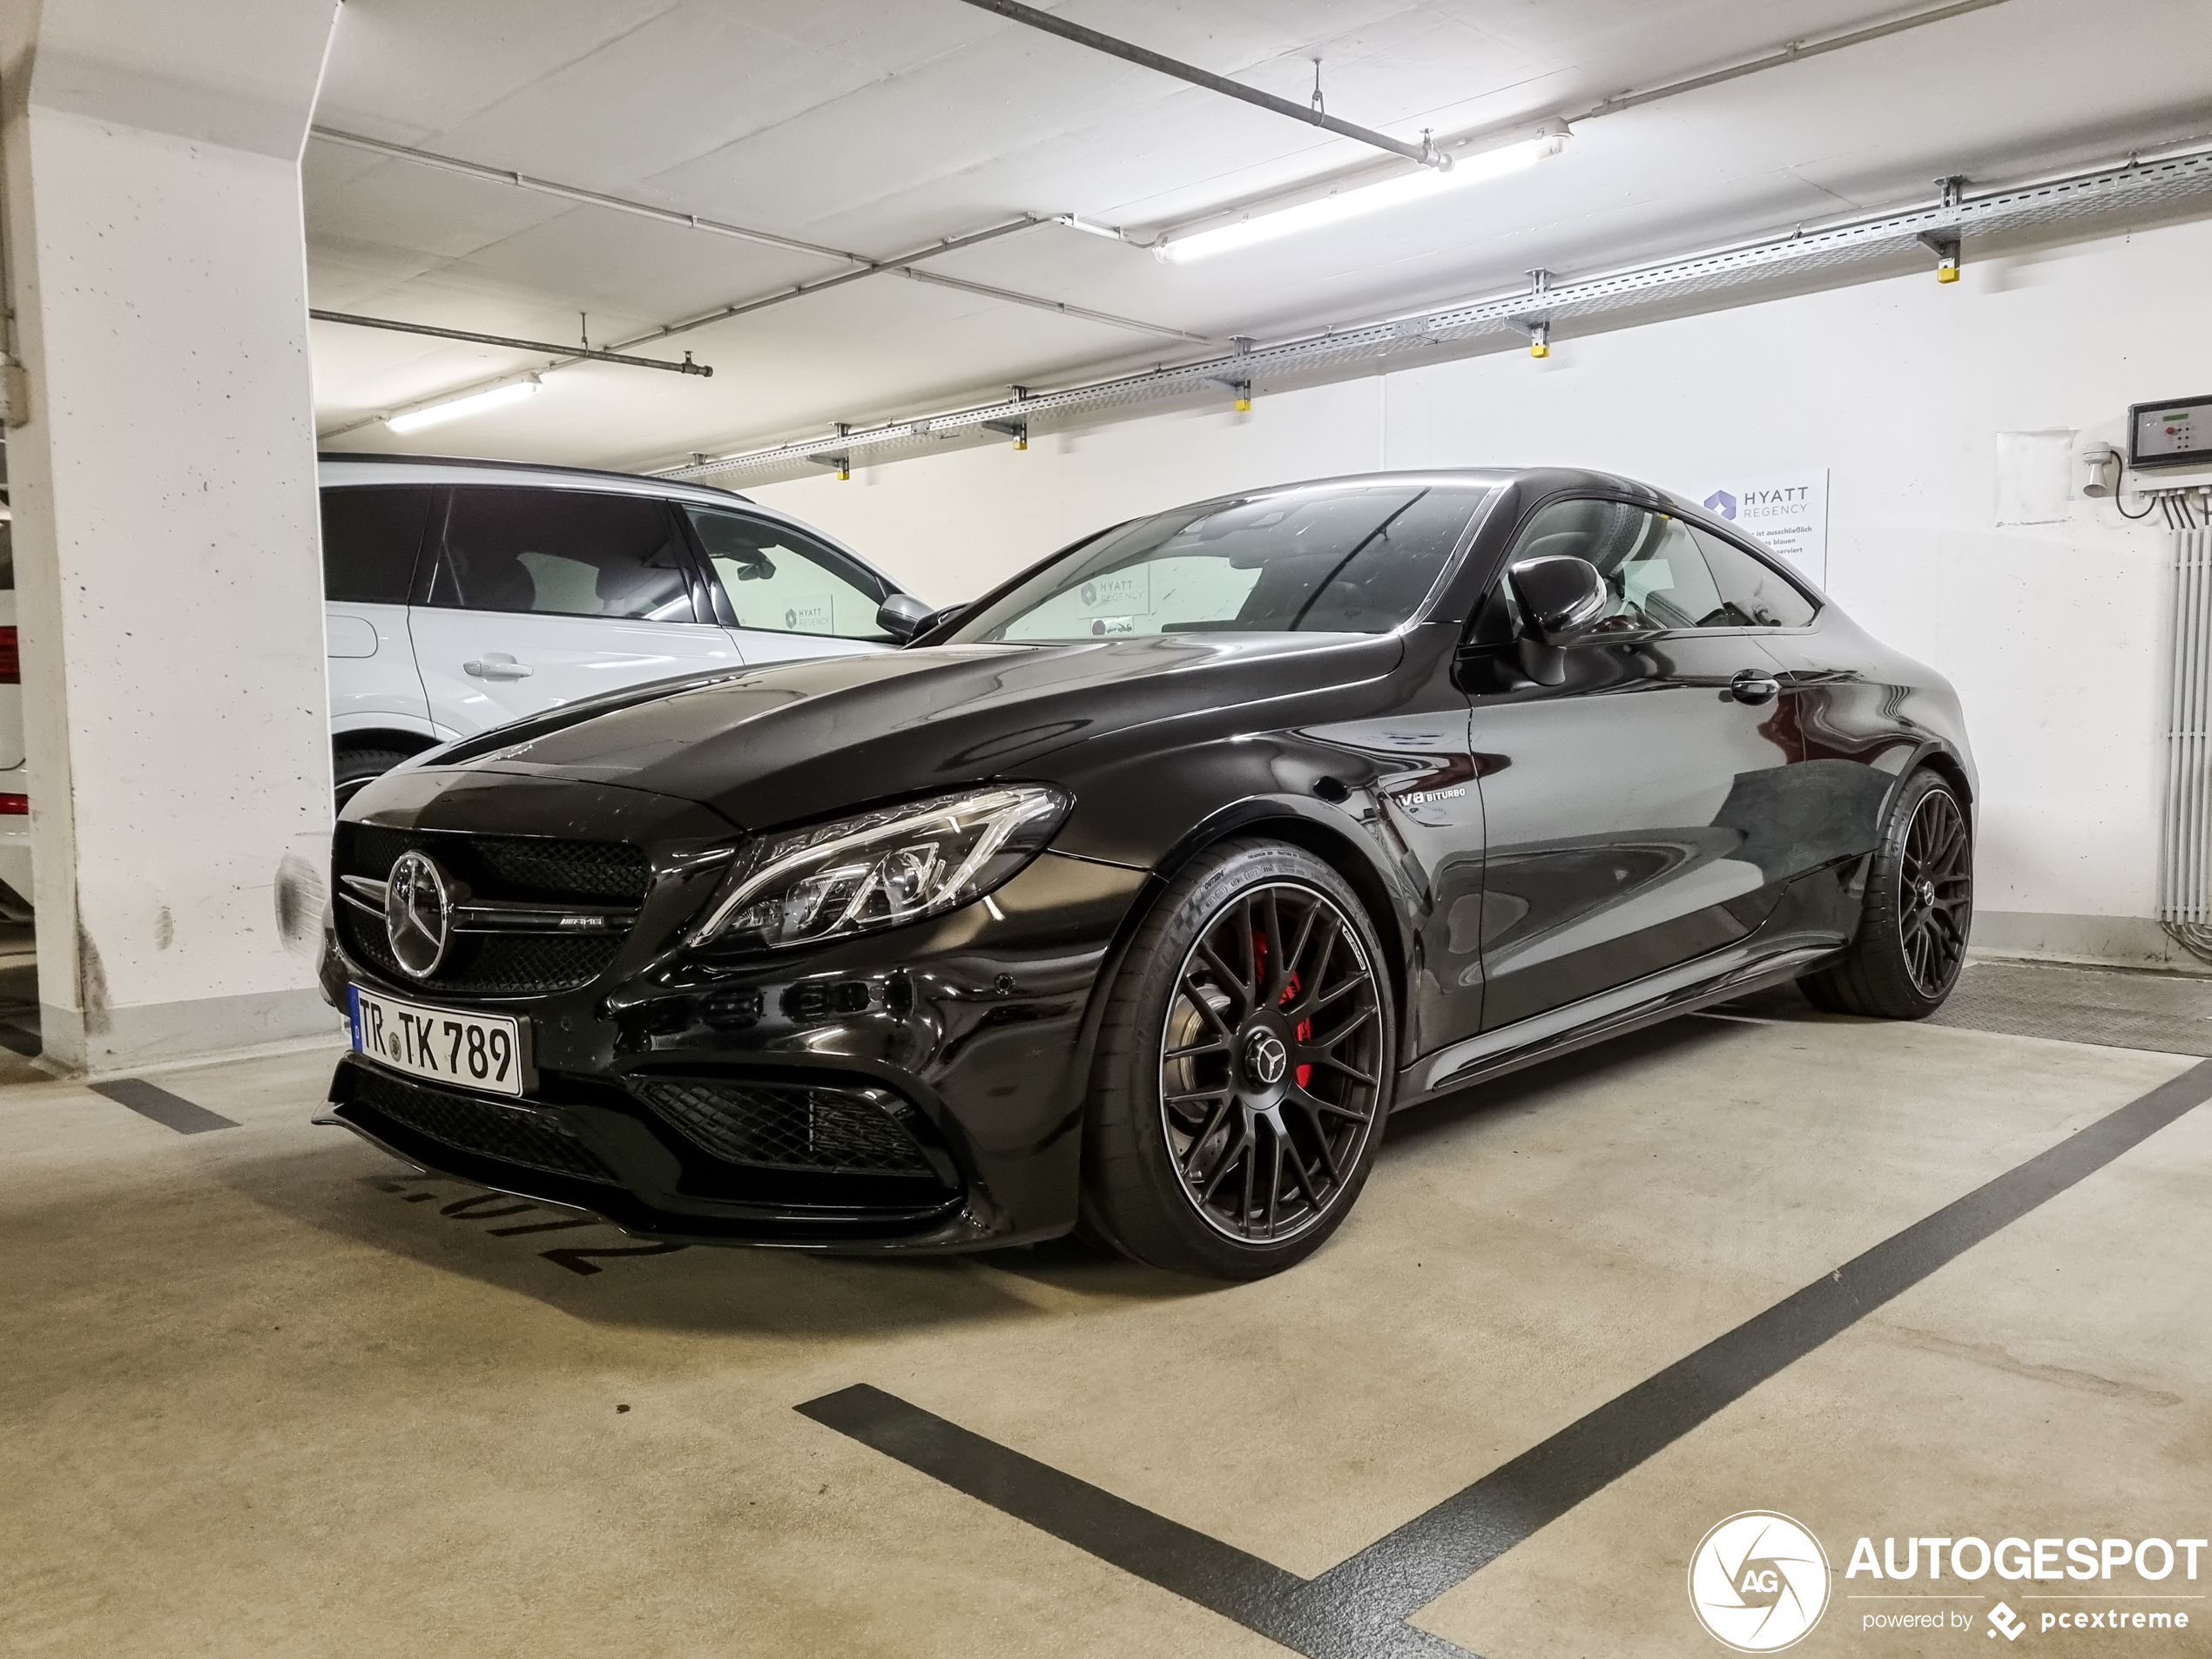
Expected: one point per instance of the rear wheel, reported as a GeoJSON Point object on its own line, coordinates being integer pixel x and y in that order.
{"type": "Point", "coordinates": [351, 768]}
{"type": "Point", "coordinates": [1919, 903]}
{"type": "Point", "coordinates": [1244, 1069]}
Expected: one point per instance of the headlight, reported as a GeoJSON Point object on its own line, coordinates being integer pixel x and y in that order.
{"type": "Point", "coordinates": [880, 869]}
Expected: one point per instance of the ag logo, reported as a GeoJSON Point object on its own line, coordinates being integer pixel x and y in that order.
{"type": "Point", "coordinates": [1721, 503]}
{"type": "Point", "coordinates": [1758, 1581]}
{"type": "Point", "coordinates": [791, 620]}
{"type": "Point", "coordinates": [1090, 595]}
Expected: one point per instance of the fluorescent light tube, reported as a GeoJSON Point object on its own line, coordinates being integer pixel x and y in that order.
{"type": "Point", "coordinates": [473, 404]}
{"type": "Point", "coordinates": [1262, 225]}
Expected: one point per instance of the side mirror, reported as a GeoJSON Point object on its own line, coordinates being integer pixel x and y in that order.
{"type": "Point", "coordinates": [1561, 598]}
{"type": "Point", "coordinates": [902, 616]}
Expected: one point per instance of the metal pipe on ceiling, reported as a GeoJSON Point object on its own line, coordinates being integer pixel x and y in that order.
{"type": "Point", "coordinates": [572, 353]}
{"type": "Point", "coordinates": [1081, 313]}
{"type": "Point", "coordinates": [1796, 51]}
{"type": "Point", "coordinates": [2135, 184]}
{"type": "Point", "coordinates": [899, 264]}
{"type": "Point", "coordinates": [1050, 23]}
{"type": "Point", "coordinates": [577, 193]}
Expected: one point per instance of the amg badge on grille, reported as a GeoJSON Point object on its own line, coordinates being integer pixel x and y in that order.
{"type": "Point", "coordinates": [418, 914]}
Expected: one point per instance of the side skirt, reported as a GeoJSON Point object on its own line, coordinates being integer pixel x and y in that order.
{"type": "Point", "coordinates": [1725, 974]}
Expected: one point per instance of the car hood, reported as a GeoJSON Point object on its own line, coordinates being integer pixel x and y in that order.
{"type": "Point", "coordinates": [795, 740]}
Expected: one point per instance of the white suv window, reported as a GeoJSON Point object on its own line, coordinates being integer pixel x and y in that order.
{"type": "Point", "coordinates": [780, 582]}
{"type": "Point", "coordinates": [563, 552]}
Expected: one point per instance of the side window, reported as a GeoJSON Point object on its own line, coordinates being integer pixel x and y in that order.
{"type": "Point", "coordinates": [1655, 576]}
{"type": "Point", "coordinates": [563, 552]}
{"type": "Point", "coordinates": [782, 581]}
{"type": "Point", "coordinates": [1756, 595]}
{"type": "Point", "coordinates": [369, 541]}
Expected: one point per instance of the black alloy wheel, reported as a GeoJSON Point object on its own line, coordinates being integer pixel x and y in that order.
{"type": "Point", "coordinates": [1936, 893]}
{"type": "Point", "coordinates": [1244, 1069]}
{"type": "Point", "coordinates": [1269, 1062]}
{"type": "Point", "coordinates": [1918, 913]}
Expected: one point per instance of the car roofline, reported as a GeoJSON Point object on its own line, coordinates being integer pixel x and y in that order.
{"type": "Point", "coordinates": [545, 468]}
{"type": "Point", "coordinates": [553, 475]}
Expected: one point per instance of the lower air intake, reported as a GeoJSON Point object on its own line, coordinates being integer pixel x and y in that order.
{"type": "Point", "coordinates": [511, 1134]}
{"type": "Point", "coordinates": [788, 1126]}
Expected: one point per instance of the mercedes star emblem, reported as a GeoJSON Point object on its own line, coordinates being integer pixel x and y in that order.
{"type": "Point", "coordinates": [418, 914]}
{"type": "Point", "coordinates": [1267, 1057]}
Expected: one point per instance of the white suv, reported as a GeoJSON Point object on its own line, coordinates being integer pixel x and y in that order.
{"type": "Point", "coordinates": [464, 594]}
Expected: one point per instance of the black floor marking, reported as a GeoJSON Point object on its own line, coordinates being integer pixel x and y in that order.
{"type": "Point", "coordinates": [21, 1038]}
{"type": "Point", "coordinates": [1358, 1609]}
{"type": "Point", "coordinates": [171, 1111]}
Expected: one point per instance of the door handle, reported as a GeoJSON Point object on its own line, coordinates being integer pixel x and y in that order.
{"type": "Point", "coordinates": [497, 665]}
{"type": "Point", "coordinates": [1754, 685]}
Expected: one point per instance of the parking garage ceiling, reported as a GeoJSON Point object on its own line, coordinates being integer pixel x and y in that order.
{"type": "Point", "coordinates": [882, 129]}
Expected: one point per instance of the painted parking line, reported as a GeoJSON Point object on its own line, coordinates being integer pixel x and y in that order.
{"type": "Point", "coordinates": [1358, 1609]}
{"type": "Point", "coordinates": [171, 1111]}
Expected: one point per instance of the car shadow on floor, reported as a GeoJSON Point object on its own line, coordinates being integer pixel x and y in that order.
{"type": "Point", "coordinates": [591, 1269]}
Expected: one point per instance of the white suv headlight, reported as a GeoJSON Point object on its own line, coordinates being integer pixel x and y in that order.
{"type": "Point", "coordinates": [881, 869]}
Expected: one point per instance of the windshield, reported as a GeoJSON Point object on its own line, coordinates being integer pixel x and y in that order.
{"type": "Point", "coordinates": [1337, 559]}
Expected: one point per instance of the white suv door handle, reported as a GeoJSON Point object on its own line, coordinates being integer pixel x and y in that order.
{"type": "Point", "coordinates": [497, 665]}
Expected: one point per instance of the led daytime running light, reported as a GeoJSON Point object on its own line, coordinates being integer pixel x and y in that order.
{"type": "Point", "coordinates": [883, 868]}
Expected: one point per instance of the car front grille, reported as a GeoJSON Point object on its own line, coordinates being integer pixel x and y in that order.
{"type": "Point", "coordinates": [511, 1134]}
{"type": "Point", "coordinates": [789, 1126]}
{"type": "Point", "coordinates": [517, 869]}
{"type": "Point", "coordinates": [505, 866]}
{"type": "Point", "coordinates": [487, 964]}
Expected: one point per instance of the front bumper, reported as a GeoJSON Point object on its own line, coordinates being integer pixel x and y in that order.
{"type": "Point", "coordinates": [918, 1089]}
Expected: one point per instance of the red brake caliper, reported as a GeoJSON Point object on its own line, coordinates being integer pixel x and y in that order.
{"type": "Point", "coordinates": [1304, 1073]}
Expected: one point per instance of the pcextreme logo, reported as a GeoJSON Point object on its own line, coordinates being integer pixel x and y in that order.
{"type": "Point", "coordinates": [1758, 1581]}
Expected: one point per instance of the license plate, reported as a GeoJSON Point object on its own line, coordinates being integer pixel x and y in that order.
{"type": "Point", "coordinates": [440, 1045]}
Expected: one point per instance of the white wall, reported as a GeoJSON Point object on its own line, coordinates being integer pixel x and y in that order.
{"type": "Point", "coordinates": [2053, 633]}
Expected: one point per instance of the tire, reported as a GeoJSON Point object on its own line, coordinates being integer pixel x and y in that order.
{"type": "Point", "coordinates": [1291, 1039]}
{"type": "Point", "coordinates": [1918, 908]}
{"type": "Point", "coordinates": [351, 768]}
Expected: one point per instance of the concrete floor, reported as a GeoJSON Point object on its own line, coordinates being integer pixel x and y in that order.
{"type": "Point", "coordinates": [267, 1393]}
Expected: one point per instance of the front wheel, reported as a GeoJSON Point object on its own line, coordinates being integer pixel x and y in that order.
{"type": "Point", "coordinates": [1243, 1067]}
{"type": "Point", "coordinates": [353, 769]}
{"type": "Point", "coordinates": [1919, 903]}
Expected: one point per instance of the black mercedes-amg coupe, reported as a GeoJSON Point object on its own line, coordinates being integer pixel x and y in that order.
{"type": "Point", "coordinates": [1133, 897]}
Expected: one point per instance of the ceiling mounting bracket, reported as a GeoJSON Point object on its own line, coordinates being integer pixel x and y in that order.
{"type": "Point", "coordinates": [841, 461]}
{"type": "Point", "coordinates": [1945, 245]}
{"type": "Point", "coordinates": [1538, 329]}
{"type": "Point", "coordinates": [1017, 430]}
{"type": "Point", "coordinates": [1241, 385]}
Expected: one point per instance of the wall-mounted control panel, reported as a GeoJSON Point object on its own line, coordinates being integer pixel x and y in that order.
{"type": "Point", "coordinates": [2176, 433]}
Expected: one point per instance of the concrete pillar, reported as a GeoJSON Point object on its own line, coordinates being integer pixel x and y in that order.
{"type": "Point", "coordinates": [161, 463]}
